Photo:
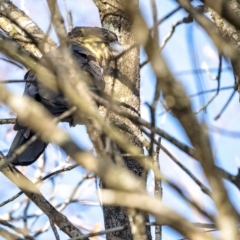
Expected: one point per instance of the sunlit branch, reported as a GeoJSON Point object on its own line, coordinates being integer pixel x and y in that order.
{"type": "Point", "coordinates": [16, 229]}
{"type": "Point", "coordinates": [180, 105]}
{"type": "Point", "coordinates": [189, 173]}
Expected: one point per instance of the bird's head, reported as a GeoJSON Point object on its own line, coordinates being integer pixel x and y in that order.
{"type": "Point", "coordinates": [102, 43]}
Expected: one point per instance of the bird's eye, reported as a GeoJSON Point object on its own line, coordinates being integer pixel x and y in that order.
{"type": "Point", "coordinates": [105, 35]}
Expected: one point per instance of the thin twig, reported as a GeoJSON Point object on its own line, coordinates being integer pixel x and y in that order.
{"type": "Point", "coordinates": [69, 16]}
{"type": "Point", "coordinates": [12, 62]}
{"type": "Point", "coordinates": [33, 193]}
{"type": "Point", "coordinates": [157, 88]}
{"type": "Point", "coordinates": [194, 61]}
{"type": "Point", "coordinates": [23, 147]}
{"type": "Point", "coordinates": [158, 187]}
{"type": "Point", "coordinates": [211, 90]}
{"type": "Point", "coordinates": [67, 201]}
{"type": "Point", "coordinates": [54, 229]}
{"type": "Point", "coordinates": [191, 203]}
{"type": "Point", "coordinates": [39, 181]}
{"type": "Point", "coordinates": [218, 87]}
{"type": "Point", "coordinates": [16, 81]}
{"type": "Point", "coordinates": [189, 173]}
{"type": "Point", "coordinates": [160, 21]}
{"type": "Point", "coordinates": [121, 228]}
{"type": "Point", "coordinates": [25, 214]}
{"type": "Point", "coordinates": [199, 70]}
{"type": "Point", "coordinates": [179, 191]}
{"type": "Point", "coordinates": [169, 35]}
{"type": "Point", "coordinates": [227, 133]}
{"type": "Point", "coordinates": [143, 123]}
{"type": "Point", "coordinates": [225, 105]}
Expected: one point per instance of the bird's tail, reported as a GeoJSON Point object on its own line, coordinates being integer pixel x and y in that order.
{"type": "Point", "coordinates": [32, 153]}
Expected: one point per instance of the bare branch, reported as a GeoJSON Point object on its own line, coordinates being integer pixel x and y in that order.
{"type": "Point", "coordinates": [54, 229]}
{"type": "Point", "coordinates": [225, 105]}
{"type": "Point", "coordinates": [35, 195]}
{"type": "Point", "coordinates": [8, 235]}
{"type": "Point", "coordinates": [23, 147]}
{"type": "Point", "coordinates": [21, 20]}
{"type": "Point", "coordinates": [161, 212]}
{"type": "Point", "coordinates": [39, 181]}
{"type": "Point", "coordinates": [15, 81]}
{"type": "Point", "coordinates": [224, 9]}
{"type": "Point", "coordinates": [17, 230]}
{"type": "Point", "coordinates": [178, 101]}
{"type": "Point", "coordinates": [8, 121]}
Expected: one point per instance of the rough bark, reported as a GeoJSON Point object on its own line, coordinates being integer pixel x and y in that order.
{"type": "Point", "coordinates": [21, 28]}
{"type": "Point", "coordinates": [123, 87]}
{"type": "Point", "coordinates": [229, 31]}
{"type": "Point", "coordinates": [227, 9]}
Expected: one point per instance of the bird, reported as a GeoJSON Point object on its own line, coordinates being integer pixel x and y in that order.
{"type": "Point", "coordinates": [93, 48]}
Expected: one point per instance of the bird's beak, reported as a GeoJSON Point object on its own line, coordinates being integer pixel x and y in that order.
{"type": "Point", "coordinates": [116, 48]}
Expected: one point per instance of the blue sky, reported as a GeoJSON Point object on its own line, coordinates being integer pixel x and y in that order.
{"type": "Point", "coordinates": [179, 54]}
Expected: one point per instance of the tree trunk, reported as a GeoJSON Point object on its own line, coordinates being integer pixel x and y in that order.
{"type": "Point", "coordinates": [229, 32]}
{"type": "Point", "coordinates": [125, 88]}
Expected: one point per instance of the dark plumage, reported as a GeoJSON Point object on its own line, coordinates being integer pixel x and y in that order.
{"type": "Point", "coordinates": [93, 49]}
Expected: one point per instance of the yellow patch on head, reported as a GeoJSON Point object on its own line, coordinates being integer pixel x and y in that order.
{"type": "Point", "coordinates": [96, 40]}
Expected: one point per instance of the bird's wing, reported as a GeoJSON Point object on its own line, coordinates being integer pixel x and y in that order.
{"type": "Point", "coordinates": [88, 63]}
{"type": "Point", "coordinates": [32, 153]}
{"type": "Point", "coordinates": [54, 101]}
{"type": "Point", "coordinates": [31, 90]}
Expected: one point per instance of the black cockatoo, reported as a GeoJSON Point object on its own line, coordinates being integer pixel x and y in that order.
{"type": "Point", "coordinates": [93, 48]}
